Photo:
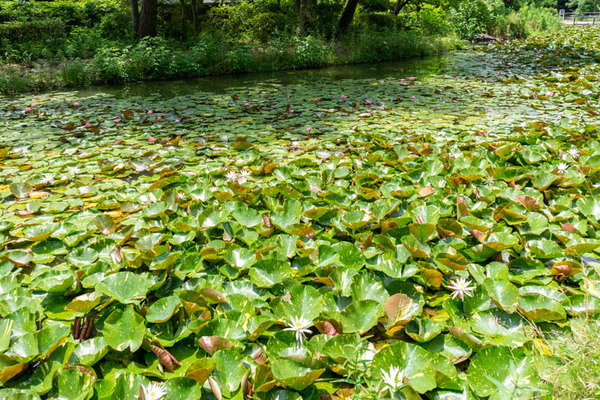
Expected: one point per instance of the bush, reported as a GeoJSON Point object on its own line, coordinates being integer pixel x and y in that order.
{"type": "Point", "coordinates": [532, 20]}
{"type": "Point", "coordinates": [433, 20]}
{"type": "Point", "coordinates": [116, 25]}
{"type": "Point", "coordinates": [18, 32]}
{"type": "Point", "coordinates": [262, 26]}
{"type": "Point", "coordinates": [377, 22]}
{"type": "Point", "coordinates": [325, 17]}
{"type": "Point", "coordinates": [473, 17]}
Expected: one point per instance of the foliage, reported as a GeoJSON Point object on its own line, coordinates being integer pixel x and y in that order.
{"type": "Point", "coordinates": [476, 16]}
{"type": "Point", "coordinates": [304, 240]}
{"type": "Point", "coordinates": [530, 20]}
{"type": "Point", "coordinates": [433, 20]}
{"type": "Point", "coordinates": [574, 371]}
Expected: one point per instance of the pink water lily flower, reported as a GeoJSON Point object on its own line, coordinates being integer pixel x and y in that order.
{"type": "Point", "coordinates": [489, 110]}
{"type": "Point", "coordinates": [177, 121]}
{"type": "Point", "coordinates": [152, 139]}
{"type": "Point", "coordinates": [412, 97]}
{"type": "Point", "coordinates": [87, 124]}
{"type": "Point", "coordinates": [368, 101]}
{"type": "Point", "coordinates": [158, 118]}
{"type": "Point", "coordinates": [117, 121]}
{"type": "Point", "coordinates": [149, 112]}
{"type": "Point", "coordinates": [412, 78]}
{"type": "Point", "coordinates": [343, 97]}
{"type": "Point", "coordinates": [308, 129]}
{"type": "Point", "coordinates": [76, 104]}
{"type": "Point", "coordinates": [246, 104]}
{"type": "Point", "coordinates": [402, 80]}
{"type": "Point", "coordinates": [27, 109]}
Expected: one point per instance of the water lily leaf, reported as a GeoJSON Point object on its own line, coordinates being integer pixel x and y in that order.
{"type": "Point", "coordinates": [503, 293]}
{"type": "Point", "coordinates": [37, 233]}
{"type": "Point", "coordinates": [18, 394]}
{"type": "Point", "coordinates": [163, 309]}
{"type": "Point", "coordinates": [73, 384]}
{"type": "Point", "coordinates": [502, 365]}
{"type": "Point", "coordinates": [182, 388]}
{"type": "Point", "coordinates": [229, 369]}
{"type": "Point", "coordinates": [414, 362]}
{"type": "Point", "coordinates": [125, 287]}
{"type": "Point", "coordinates": [544, 248]}
{"type": "Point", "coordinates": [293, 374]}
{"type": "Point", "coordinates": [305, 302]}
{"type": "Point", "coordinates": [200, 370]}
{"type": "Point", "coordinates": [20, 190]}
{"type": "Point", "coordinates": [17, 257]}
{"type": "Point", "coordinates": [423, 329]}
{"type": "Point", "coordinates": [124, 329]}
{"type": "Point", "coordinates": [267, 273]}
{"type": "Point", "coordinates": [360, 316]}
{"type": "Point", "coordinates": [292, 211]}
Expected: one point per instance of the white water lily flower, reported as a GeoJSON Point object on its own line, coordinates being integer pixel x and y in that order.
{"type": "Point", "coordinates": [393, 378]}
{"type": "Point", "coordinates": [574, 152]}
{"type": "Point", "coordinates": [243, 176]}
{"type": "Point", "coordinates": [47, 178]}
{"type": "Point", "coordinates": [299, 325]}
{"type": "Point", "coordinates": [231, 176]}
{"type": "Point", "coordinates": [154, 391]}
{"type": "Point", "coordinates": [562, 168]}
{"type": "Point", "coordinates": [295, 143]}
{"type": "Point", "coordinates": [73, 170]}
{"type": "Point", "coordinates": [460, 288]}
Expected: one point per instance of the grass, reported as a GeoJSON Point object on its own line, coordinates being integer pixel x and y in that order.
{"type": "Point", "coordinates": [574, 371]}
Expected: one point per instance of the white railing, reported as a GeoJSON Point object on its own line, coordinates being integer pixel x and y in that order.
{"type": "Point", "coordinates": [579, 18]}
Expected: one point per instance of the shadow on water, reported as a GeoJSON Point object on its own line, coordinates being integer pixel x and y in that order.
{"type": "Point", "coordinates": [419, 68]}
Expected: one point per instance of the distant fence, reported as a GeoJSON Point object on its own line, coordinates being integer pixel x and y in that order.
{"type": "Point", "coordinates": [579, 18]}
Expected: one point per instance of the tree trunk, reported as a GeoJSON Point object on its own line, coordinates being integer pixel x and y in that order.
{"type": "Point", "coordinates": [148, 18]}
{"type": "Point", "coordinates": [135, 15]}
{"type": "Point", "coordinates": [348, 15]}
{"type": "Point", "coordinates": [195, 16]}
{"type": "Point", "coordinates": [401, 4]}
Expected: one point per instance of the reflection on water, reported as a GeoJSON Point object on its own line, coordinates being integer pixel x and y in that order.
{"type": "Point", "coordinates": [418, 68]}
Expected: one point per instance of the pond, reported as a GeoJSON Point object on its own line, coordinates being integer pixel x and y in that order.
{"type": "Point", "coordinates": [397, 228]}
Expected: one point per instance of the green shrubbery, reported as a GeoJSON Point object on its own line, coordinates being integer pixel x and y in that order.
{"type": "Point", "coordinates": [262, 35]}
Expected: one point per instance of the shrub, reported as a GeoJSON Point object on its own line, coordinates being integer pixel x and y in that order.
{"type": "Point", "coordinates": [473, 17]}
{"type": "Point", "coordinates": [377, 22]}
{"type": "Point", "coordinates": [32, 31]}
{"type": "Point", "coordinates": [433, 20]}
{"type": "Point", "coordinates": [262, 26]}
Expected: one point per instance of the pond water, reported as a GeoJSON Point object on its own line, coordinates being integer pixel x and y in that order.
{"type": "Point", "coordinates": [418, 67]}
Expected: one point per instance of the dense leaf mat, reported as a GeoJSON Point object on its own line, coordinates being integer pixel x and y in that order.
{"type": "Point", "coordinates": [304, 241]}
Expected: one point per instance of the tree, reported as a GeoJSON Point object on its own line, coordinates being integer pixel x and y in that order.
{"type": "Point", "coordinates": [147, 17]}
{"type": "Point", "coordinates": [348, 15]}
{"type": "Point", "coordinates": [135, 15]}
